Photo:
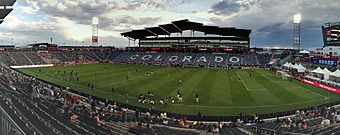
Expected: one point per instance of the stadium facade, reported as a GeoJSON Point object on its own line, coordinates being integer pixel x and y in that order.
{"type": "Point", "coordinates": [214, 38]}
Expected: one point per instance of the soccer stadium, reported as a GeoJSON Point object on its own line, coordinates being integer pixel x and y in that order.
{"type": "Point", "coordinates": [181, 77]}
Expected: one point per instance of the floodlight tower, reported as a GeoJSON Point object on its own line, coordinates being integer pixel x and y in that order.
{"type": "Point", "coordinates": [95, 22]}
{"type": "Point", "coordinates": [297, 32]}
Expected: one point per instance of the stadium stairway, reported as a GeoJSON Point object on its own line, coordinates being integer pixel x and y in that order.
{"type": "Point", "coordinates": [7, 59]}
{"type": "Point", "coordinates": [116, 126]}
{"type": "Point", "coordinates": [20, 59]}
{"type": "Point", "coordinates": [34, 58]}
{"type": "Point", "coordinates": [96, 56]}
{"type": "Point", "coordinates": [29, 60]}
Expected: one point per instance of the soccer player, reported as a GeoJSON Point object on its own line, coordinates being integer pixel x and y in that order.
{"type": "Point", "coordinates": [144, 100]}
{"type": "Point", "coordinates": [149, 94]}
{"type": "Point", "coordinates": [161, 101]}
{"type": "Point", "coordinates": [126, 97]}
{"type": "Point", "coordinates": [178, 94]}
{"type": "Point", "coordinates": [180, 99]}
{"type": "Point", "coordinates": [140, 98]}
{"type": "Point", "coordinates": [180, 82]}
{"type": "Point", "coordinates": [197, 98]}
{"type": "Point", "coordinates": [113, 90]}
{"type": "Point", "coordinates": [92, 86]}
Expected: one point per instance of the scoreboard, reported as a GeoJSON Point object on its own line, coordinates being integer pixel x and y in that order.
{"type": "Point", "coordinates": [331, 34]}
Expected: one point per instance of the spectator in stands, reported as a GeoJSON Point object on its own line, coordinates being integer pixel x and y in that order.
{"type": "Point", "coordinates": [337, 117]}
{"type": "Point", "coordinates": [98, 121]}
{"type": "Point", "coordinates": [215, 129]}
{"type": "Point", "coordinates": [304, 125]}
{"type": "Point", "coordinates": [325, 122]}
{"type": "Point", "coordinates": [35, 93]}
{"type": "Point", "coordinates": [74, 119]}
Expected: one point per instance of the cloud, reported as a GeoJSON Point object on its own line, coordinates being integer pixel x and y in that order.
{"type": "Point", "coordinates": [228, 7]}
{"type": "Point", "coordinates": [274, 19]}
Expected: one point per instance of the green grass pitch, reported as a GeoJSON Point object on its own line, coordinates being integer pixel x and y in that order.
{"type": "Point", "coordinates": [222, 92]}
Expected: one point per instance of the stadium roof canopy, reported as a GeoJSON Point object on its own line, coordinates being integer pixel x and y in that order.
{"type": "Point", "coordinates": [183, 25]}
{"type": "Point", "coordinates": [7, 2]}
{"type": "Point", "coordinates": [4, 13]}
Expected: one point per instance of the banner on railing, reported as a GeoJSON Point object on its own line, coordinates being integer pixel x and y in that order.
{"type": "Point", "coordinates": [329, 88]}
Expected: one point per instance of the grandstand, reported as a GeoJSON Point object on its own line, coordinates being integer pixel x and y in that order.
{"type": "Point", "coordinates": [215, 38]}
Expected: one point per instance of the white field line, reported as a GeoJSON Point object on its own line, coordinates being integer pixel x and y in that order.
{"type": "Point", "coordinates": [297, 86]}
{"type": "Point", "coordinates": [315, 93]}
{"type": "Point", "coordinates": [252, 89]}
{"type": "Point", "coordinates": [242, 80]}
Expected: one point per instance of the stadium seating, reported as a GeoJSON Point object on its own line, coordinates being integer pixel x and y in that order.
{"type": "Point", "coordinates": [60, 56]}
{"type": "Point", "coordinates": [6, 58]}
{"type": "Point", "coordinates": [192, 60]}
{"type": "Point", "coordinates": [101, 55]}
{"type": "Point", "coordinates": [20, 58]}
{"type": "Point", "coordinates": [35, 58]}
{"type": "Point", "coordinates": [154, 58]}
{"type": "Point", "coordinates": [264, 59]}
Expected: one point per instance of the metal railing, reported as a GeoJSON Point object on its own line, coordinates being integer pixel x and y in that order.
{"type": "Point", "coordinates": [8, 126]}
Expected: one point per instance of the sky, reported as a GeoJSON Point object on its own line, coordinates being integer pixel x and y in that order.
{"type": "Point", "coordinates": [68, 22]}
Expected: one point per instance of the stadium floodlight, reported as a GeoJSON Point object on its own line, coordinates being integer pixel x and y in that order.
{"type": "Point", "coordinates": [297, 18]}
{"type": "Point", "coordinates": [95, 20]}
{"type": "Point", "coordinates": [297, 32]}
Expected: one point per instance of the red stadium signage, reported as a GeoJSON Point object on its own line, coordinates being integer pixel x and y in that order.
{"type": "Point", "coordinates": [336, 90]}
{"type": "Point", "coordinates": [155, 49]}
